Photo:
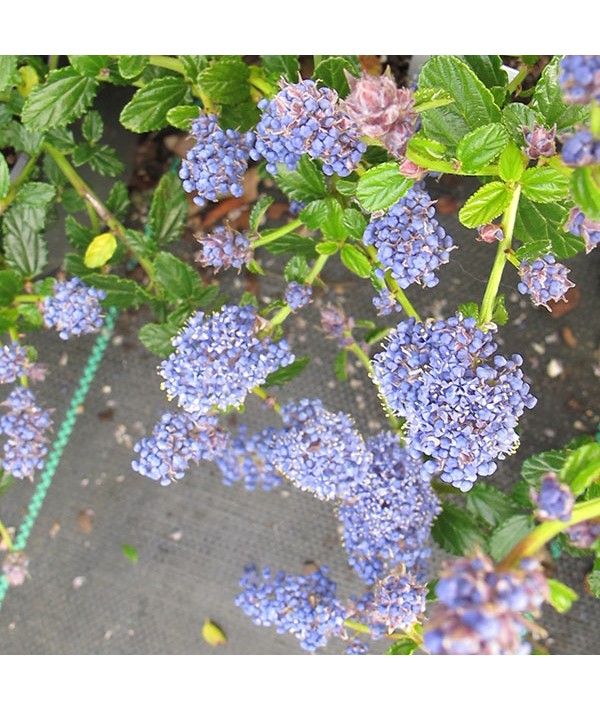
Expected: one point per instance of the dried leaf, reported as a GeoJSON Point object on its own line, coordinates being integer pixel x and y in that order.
{"type": "Point", "coordinates": [213, 634]}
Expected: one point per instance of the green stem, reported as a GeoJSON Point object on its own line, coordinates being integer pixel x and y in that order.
{"type": "Point", "coordinates": [365, 629]}
{"type": "Point", "coordinates": [584, 478]}
{"type": "Point", "coordinates": [27, 299]}
{"type": "Point", "coordinates": [261, 84]}
{"type": "Point", "coordinates": [276, 234]}
{"type": "Point", "coordinates": [595, 120]}
{"type": "Point", "coordinates": [285, 311]}
{"type": "Point", "coordinates": [546, 531]}
{"type": "Point", "coordinates": [508, 225]}
{"type": "Point", "coordinates": [99, 207]}
{"type": "Point", "coordinates": [6, 537]}
{"type": "Point", "coordinates": [517, 81]}
{"type": "Point", "coordinates": [265, 397]}
{"type": "Point", "coordinates": [14, 189]}
{"type": "Point", "coordinates": [396, 290]}
{"type": "Point", "coordinates": [172, 63]}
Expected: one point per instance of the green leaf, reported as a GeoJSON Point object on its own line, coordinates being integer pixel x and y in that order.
{"type": "Point", "coordinates": [157, 338]}
{"type": "Point", "coordinates": [78, 235]}
{"type": "Point", "coordinates": [456, 531]}
{"type": "Point", "coordinates": [347, 188]}
{"type": "Point", "coordinates": [304, 184]}
{"type": "Point", "coordinates": [500, 314]}
{"type": "Point", "coordinates": [259, 210]}
{"type": "Point", "coordinates": [581, 467]}
{"type": "Point", "coordinates": [6, 481]}
{"type": "Point", "coordinates": [540, 225]}
{"type": "Point", "coordinates": [118, 199]}
{"type": "Point", "coordinates": [180, 281]}
{"type": "Point", "coordinates": [490, 504]}
{"type": "Point", "coordinates": [8, 66]}
{"type": "Point", "coordinates": [382, 186]}
{"type": "Point", "coordinates": [354, 222]}
{"type": "Point", "coordinates": [281, 65]}
{"type": "Point", "coordinates": [24, 248]}
{"type": "Point", "coordinates": [294, 244]}
{"type": "Point", "coordinates": [325, 215]}
{"type": "Point", "coordinates": [182, 116]}
{"type": "Point", "coordinates": [562, 596]}
{"type": "Point", "coordinates": [469, 309]}
{"type": "Point", "coordinates": [473, 102]}
{"type": "Point", "coordinates": [544, 184]}
{"type": "Point", "coordinates": [593, 579]}
{"type": "Point", "coordinates": [168, 211]}
{"type": "Point", "coordinates": [404, 646]}
{"type": "Point", "coordinates": [92, 127]}
{"type": "Point", "coordinates": [328, 248]}
{"type": "Point", "coordinates": [377, 334]}
{"type": "Point", "coordinates": [479, 147]}
{"type": "Point", "coordinates": [4, 177]}
{"type": "Point", "coordinates": [100, 250]}
{"type": "Point", "coordinates": [486, 204]}
{"type": "Point", "coordinates": [331, 72]}
{"type": "Point", "coordinates": [61, 138]}
{"type": "Point", "coordinates": [508, 533]}
{"type": "Point", "coordinates": [356, 261]}
{"type": "Point", "coordinates": [148, 109]}
{"type": "Point", "coordinates": [120, 293]}
{"type": "Point", "coordinates": [296, 269]}
{"type": "Point", "coordinates": [213, 634]}
{"type": "Point", "coordinates": [31, 316]}
{"type": "Point", "coordinates": [547, 100]}
{"type": "Point", "coordinates": [515, 116]}
{"type": "Point", "coordinates": [340, 365]}
{"type": "Point", "coordinates": [35, 194]}
{"type": "Point", "coordinates": [488, 67]}
{"type": "Point", "coordinates": [428, 153]}
{"type": "Point", "coordinates": [90, 65]}
{"type": "Point", "coordinates": [131, 66]}
{"type": "Point", "coordinates": [130, 552]}
{"type": "Point", "coordinates": [8, 318]}
{"type": "Point", "coordinates": [64, 97]}
{"type": "Point", "coordinates": [426, 99]}
{"type": "Point", "coordinates": [11, 284]}
{"type": "Point", "coordinates": [512, 162]}
{"type": "Point", "coordinates": [536, 466]}
{"type": "Point", "coordinates": [585, 186]}
{"type": "Point", "coordinates": [104, 160]}
{"type": "Point", "coordinates": [287, 372]}
{"type": "Point", "coordinates": [193, 64]}
{"type": "Point", "coordinates": [240, 117]}
{"type": "Point", "coordinates": [225, 81]}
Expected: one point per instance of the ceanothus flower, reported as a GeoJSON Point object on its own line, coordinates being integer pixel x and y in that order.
{"type": "Point", "coordinates": [540, 141]}
{"type": "Point", "coordinates": [14, 363]}
{"type": "Point", "coordinates": [246, 459]}
{"type": "Point", "coordinates": [481, 610]}
{"type": "Point", "coordinates": [581, 226]}
{"type": "Point", "coordinates": [554, 500]}
{"type": "Point", "coordinates": [581, 149]}
{"type": "Point", "coordinates": [544, 280]}
{"type": "Point", "coordinates": [356, 646]}
{"type": "Point", "coordinates": [385, 302]}
{"type": "Point", "coordinates": [297, 295]}
{"type": "Point", "coordinates": [216, 165]}
{"type": "Point", "coordinates": [304, 605]}
{"type": "Point", "coordinates": [337, 325]}
{"type": "Point", "coordinates": [461, 402]}
{"type": "Point", "coordinates": [224, 248]}
{"type": "Point", "coordinates": [397, 603]}
{"type": "Point", "coordinates": [584, 534]}
{"type": "Point", "coordinates": [219, 358]}
{"type": "Point", "coordinates": [579, 78]}
{"type": "Point", "coordinates": [74, 308]}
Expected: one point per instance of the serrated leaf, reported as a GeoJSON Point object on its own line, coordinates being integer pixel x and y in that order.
{"type": "Point", "coordinates": [457, 532]}
{"type": "Point", "coordinates": [24, 248]}
{"type": "Point", "coordinates": [259, 210]}
{"type": "Point", "coordinates": [130, 552]}
{"type": "Point", "coordinates": [4, 177]}
{"type": "Point", "coordinates": [340, 364]}
{"type": "Point", "coordinates": [77, 234]}
{"type": "Point", "coordinates": [541, 224]}
{"type": "Point", "coordinates": [325, 215]}
{"type": "Point", "coordinates": [239, 117]}
{"type": "Point", "coordinates": [104, 160]}
{"type": "Point", "coordinates": [8, 66]}
{"type": "Point", "coordinates": [515, 116]}
{"type": "Point", "coordinates": [179, 280]}
{"type": "Point", "coordinates": [61, 138]}
{"type": "Point", "coordinates": [562, 596]}
{"type": "Point", "coordinates": [296, 269]}
{"type": "Point", "coordinates": [157, 338]}
{"type": "Point", "coordinates": [92, 127]}
{"type": "Point", "coordinates": [168, 211]}
{"type": "Point", "coordinates": [35, 194]}
{"type": "Point", "coordinates": [212, 634]}
{"type": "Point", "coordinates": [426, 99]}
{"type": "Point", "coordinates": [141, 244]}
{"type": "Point", "coordinates": [488, 67]}
{"type": "Point", "coordinates": [64, 97]}
{"type": "Point", "coordinates": [485, 205]}
{"type": "Point", "coordinates": [356, 261]}
{"type": "Point", "coordinates": [292, 244]}
{"type": "Point", "coordinates": [304, 184]}
{"type": "Point", "coordinates": [89, 65]}
{"type": "Point", "coordinates": [469, 309]}
{"type": "Point", "coordinates": [11, 284]}
{"type": "Point", "coordinates": [428, 153]}
{"type": "Point", "coordinates": [512, 162]}
{"type": "Point", "coordinates": [118, 199]}
{"type": "Point", "coordinates": [225, 81]}
{"type": "Point", "coordinates": [490, 504]}
{"type": "Point", "coordinates": [131, 66]}
{"type": "Point", "coordinates": [287, 372]}
{"type": "Point", "coordinates": [100, 250]}
{"type": "Point", "coordinates": [581, 467]}
{"type": "Point", "coordinates": [593, 580]}
{"type": "Point", "coordinates": [182, 116]}
{"type": "Point", "coordinates": [547, 99]}
{"type": "Point", "coordinates": [31, 317]}
{"type": "Point", "coordinates": [479, 147]}
{"type": "Point", "coordinates": [120, 293]}
{"type": "Point", "coordinates": [328, 248]}
{"type": "Point", "coordinates": [544, 184]}
{"type": "Point", "coordinates": [354, 222]}
{"type": "Point", "coordinates": [537, 465]}
{"type": "Point", "coordinates": [473, 104]}
{"type": "Point", "coordinates": [347, 188]}
{"type": "Point", "coordinates": [331, 72]}
{"type": "Point", "coordinates": [281, 65]}
{"type": "Point", "coordinates": [404, 647]}
{"type": "Point", "coordinates": [508, 533]}
{"type": "Point", "coordinates": [585, 187]}
{"type": "Point", "coordinates": [148, 109]}
{"type": "Point", "coordinates": [382, 186]}
{"type": "Point", "coordinates": [193, 64]}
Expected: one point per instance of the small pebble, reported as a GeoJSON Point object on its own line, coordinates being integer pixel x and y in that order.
{"type": "Point", "coordinates": [78, 582]}
{"type": "Point", "coordinates": [554, 368]}
{"type": "Point", "coordinates": [176, 536]}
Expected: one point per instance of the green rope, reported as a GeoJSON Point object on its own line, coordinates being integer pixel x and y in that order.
{"type": "Point", "coordinates": [62, 439]}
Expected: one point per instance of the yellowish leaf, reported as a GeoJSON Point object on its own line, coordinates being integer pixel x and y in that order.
{"type": "Point", "coordinates": [100, 250]}
{"type": "Point", "coordinates": [213, 634]}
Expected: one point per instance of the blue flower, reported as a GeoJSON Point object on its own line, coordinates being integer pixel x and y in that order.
{"type": "Point", "coordinates": [579, 78]}
{"type": "Point", "coordinates": [224, 248]}
{"type": "Point", "coordinates": [544, 280]}
{"type": "Point", "coordinates": [74, 309]}
{"type": "Point", "coordinates": [297, 295]}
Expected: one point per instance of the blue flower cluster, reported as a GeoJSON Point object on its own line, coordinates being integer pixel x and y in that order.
{"type": "Point", "coordinates": [461, 402]}
{"type": "Point", "coordinates": [305, 119]}
{"type": "Point", "coordinates": [544, 280]}
{"type": "Point", "coordinates": [215, 166]}
{"type": "Point", "coordinates": [319, 451]}
{"type": "Point", "coordinates": [386, 519]}
{"type": "Point", "coordinates": [14, 363]}
{"type": "Point", "coordinates": [397, 603]}
{"type": "Point", "coordinates": [219, 359]}
{"type": "Point", "coordinates": [24, 425]}
{"type": "Point", "coordinates": [304, 605]}
{"type": "Point", "coordinates": [74, 309]}
{"type": "Point", "coordinates": [579, 78]}
{"type": "Point", "coordinates": [246, 459]}
{"type": "Point", "coordinates": [554, 500]}
{"type": "Point", "coordinates": [297, 295]}
{"type": "Point", "coordinates": [385, 302]}
{"type": "Point", "coordinates": [584, 534]}
{"type": "Point", "coordinates": [581, 149]}
{"type": "Point", "coordinates": [481, 610]}
{"type": "Point", "coordinates": [581, 226]}
{"type": "Point", "coordinates": [357, 646]}
{"type": "Point", "coordinates": [224, 248]}
{"type": "Point", "coordinates": [177, 440]}
{"type": "Point", "coordinates": [411, 244]}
